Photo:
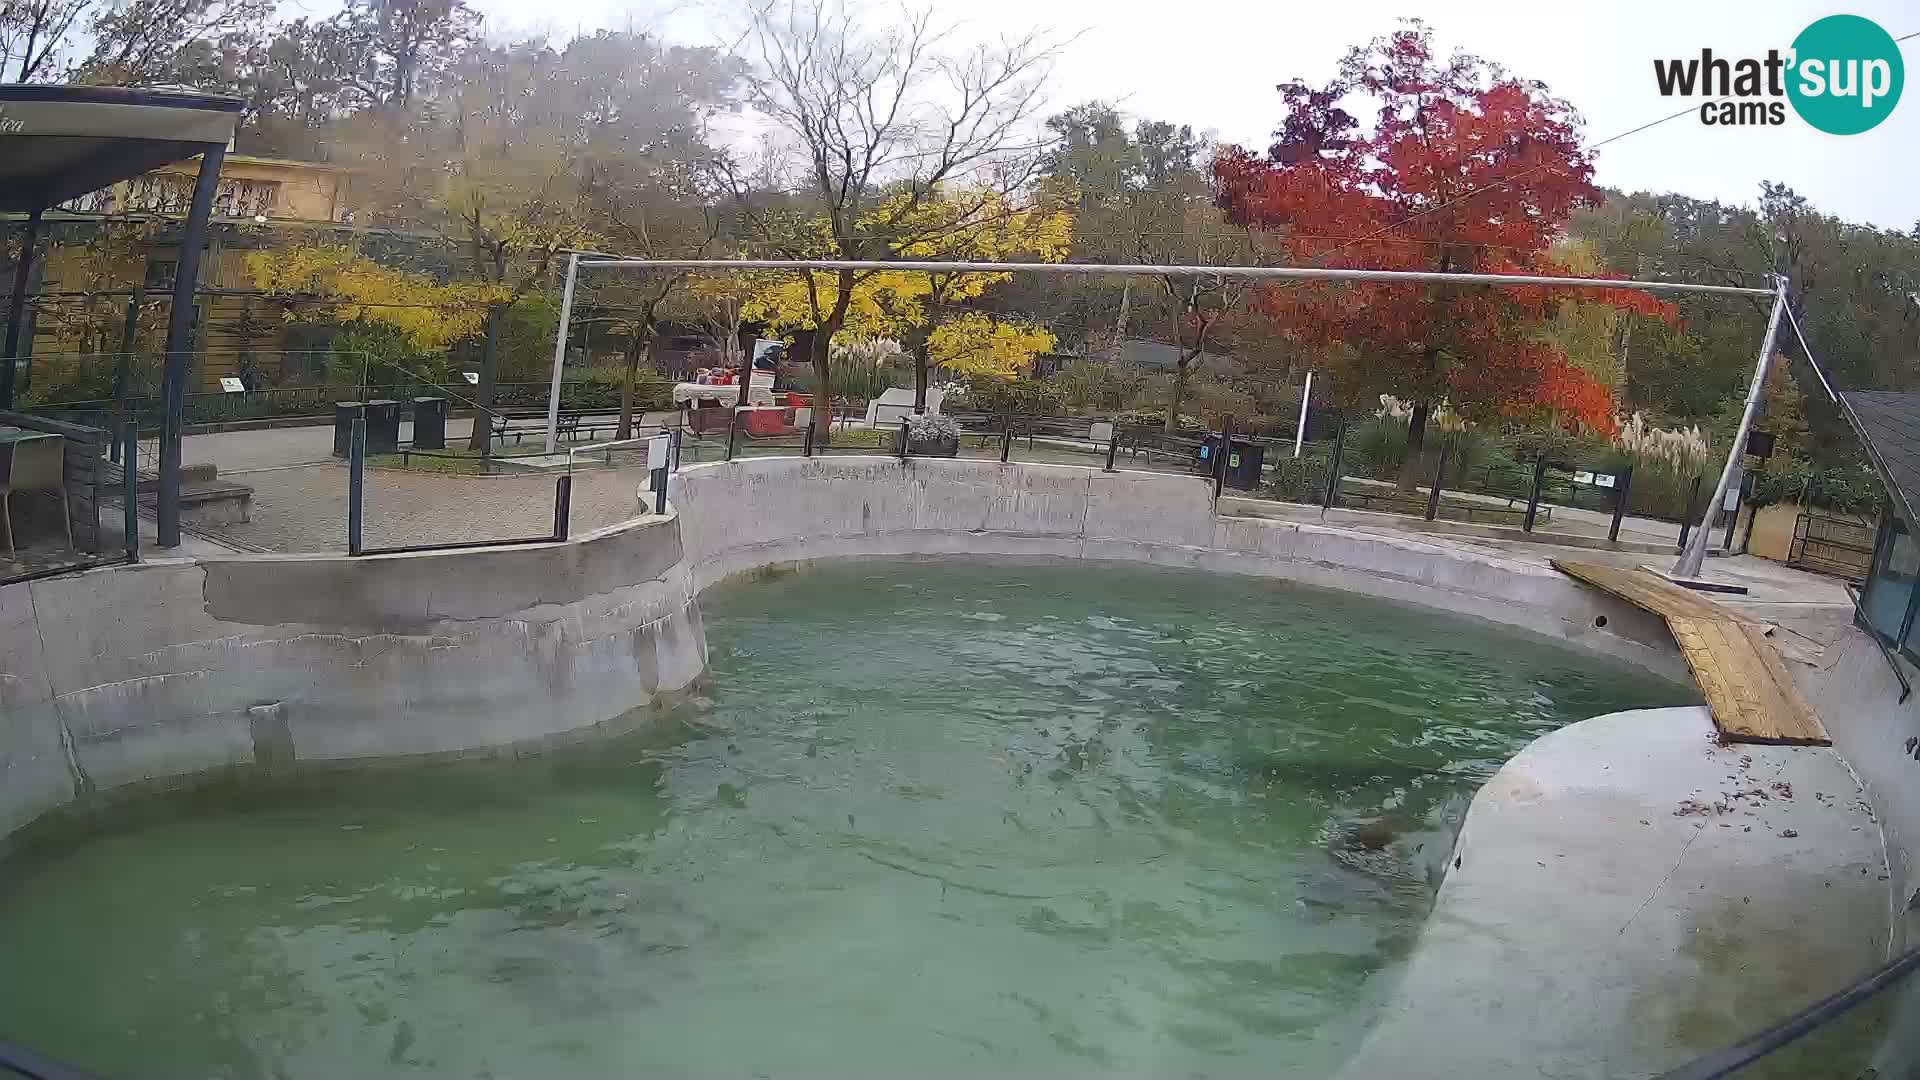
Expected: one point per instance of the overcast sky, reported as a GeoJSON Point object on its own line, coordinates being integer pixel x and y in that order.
{"type": "Point", "coordinates": [1213, 64]}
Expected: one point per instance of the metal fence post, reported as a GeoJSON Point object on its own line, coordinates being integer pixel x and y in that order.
{"type": "Point", "coordinates": [677, 433]}
{"type": "Point", "coordinates": [1223, 455]}
{"type": "Point", "coordinates": [806, 442]}
{"type": "Point", "coordinates": [1113, 445]}
{"type": "Point", "coordinates": [356, 482]}
{"type": "Point", "coordinates": [903, 439]}
{"type": "Point", "coordinates": [130, 486]}
{"type": "Point", "coordinates": [1686, 520]}
{"type": "Point", "coordinates": [1439, 477]}
{"type": "Point", "coordinates": [733, 423]}
{"type": "Point", "coordinates": [660, 490]}
{"type": "Point", "coordinates": [1006, 438]}
{"type": "Point", "coordinates": [1622, 488]}
{"type": "Point", "coordinates": [562, 504]}
{"type": "Point", "coordinates": [1533, 497]}
{"type": "Point", "coordinates": [1331, 498]}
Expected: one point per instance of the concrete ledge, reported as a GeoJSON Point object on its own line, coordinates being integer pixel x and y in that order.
{"type": "Point", "coordinates": [1627, 894]}
{"type": "Point", "coordinates": [134, 676]}
{"type": "Point", "coordinates": [743, 514]}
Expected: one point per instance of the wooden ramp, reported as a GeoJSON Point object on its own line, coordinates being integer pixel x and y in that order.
{"type": "Point", "coordinates": [1747, 685]}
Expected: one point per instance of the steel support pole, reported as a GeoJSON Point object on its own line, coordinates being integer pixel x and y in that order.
{"type": "Point", "coordinates": [173, 384]}
{"type": "Point", "coordinates": [1622, 487]}
{"type": "Point", "coordinates": [1533, 497]}
{"type": "Point", "coordinates": [1331, 498]}
{"type": "Point", "coordinates": [1439, 474]}
{"type": "Point", "coordinates": [562, 504]}
{"type": "Point", "coordinates": [356, 483]}
{"type": "Point", "coordinates": [1113, 447]}
{"type": "Point", "coordinates": [123, 364]}
{"type": "Point", "coordinates": [1695, 554]}
{"type": "Point", "coordinates": [17, 305]}
{"type": "Point", "coordinates": [130, 487]}
{"type": "Point", "coordinates": [560, 353]}
{"type": "Point", "coordinates": [1222, 456]}
{"type": "Point", "coordinates": [1300, 430]}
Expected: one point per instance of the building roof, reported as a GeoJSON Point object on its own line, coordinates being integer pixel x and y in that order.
{"type": "Point", "coordinates": [61, 142]}
{"type": "Point", "coordinates": [1888, 422]}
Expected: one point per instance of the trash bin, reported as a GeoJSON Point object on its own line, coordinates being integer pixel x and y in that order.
{"type": "Point", "coordinates": [383, 426]}
{"type": "Point", "coordinates": [1243, 462]}
{"type": "Point", "coordinates": [1243, 465]}
{"type": "Point", "coordinates": [343, 414]}
{"type": "Point", "coordinates": [429, 423]}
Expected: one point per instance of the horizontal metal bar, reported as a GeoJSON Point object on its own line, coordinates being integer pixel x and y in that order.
{"type": "Point", "coordinates": [458, 545]}
{"type": "Point", "coordinates": [1253, 273]}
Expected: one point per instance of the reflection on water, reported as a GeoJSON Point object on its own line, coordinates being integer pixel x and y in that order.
{"type": "Point", "coordinates": [933, 819]}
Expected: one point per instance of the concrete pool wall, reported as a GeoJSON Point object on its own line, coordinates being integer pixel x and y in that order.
{"type": "Point", "coordinates": [134, 675]}
{"type": "Point", "coordinates": [124, 677]}
{"type": "Point", "coordinates": [741, 515]}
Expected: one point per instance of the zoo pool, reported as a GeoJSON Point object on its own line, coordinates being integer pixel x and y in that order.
{"type": "Point", "coordinates": [951, 818]}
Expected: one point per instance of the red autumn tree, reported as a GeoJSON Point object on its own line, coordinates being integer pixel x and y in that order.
{"type": "Point", "coordinates": [1465, 170]}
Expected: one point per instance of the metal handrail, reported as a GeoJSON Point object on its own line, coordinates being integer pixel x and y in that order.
{"type": "Point", "coordinates": [1893, 662]}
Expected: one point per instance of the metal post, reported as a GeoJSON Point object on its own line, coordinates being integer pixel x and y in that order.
{"type": "Point", "coordinates": [1332, 496]}
{"type": "Point", "coordinates": [17, 305]}
{"type": "Point", "coordinates": [130, 487]}
{"type": "Point", "coordinates": [660, 490]}
{"type": "Point", "coordinates": [1533, 497]}
{"type": "Point", "coordinates": [677, 433]}
{"type": "Point", "coordinates": [560, 353]}
{"type": "Point", "coordinates": [806, 441]}
{"type": "Point", "coordinates": [1113, 445]}
{"type": "Point", "coordinates": [1686, 519]}
{"type": "Point", "coordinates": [903, 438]}
{"type": "Point", "coordinates": [1006, 438]}
{"type": "Point", "coordinates": [1691, 559]}
{"type": "Point", "coordinates": [1622, 487]}
{"type": "Point", "coordinates": [733, 421]}
{"type": "Point", "coordinates": [1439, 475]}
{"type": "Point", "coordinates": [356, 482]}
{"type": "Point", "coordinates": [123, 364]}
{"type": "Point", "coordinates": [562, 504]}
{"type": "Point", "coordinates": [1223, 455]}
{"type": "Point", "coordinates": [1300, 430]}
{"type": "Point", "coordinates": [173, 383]}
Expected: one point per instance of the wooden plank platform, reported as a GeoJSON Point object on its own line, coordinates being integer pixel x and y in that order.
{"type": "Point", "coordinates": [1746, 684]}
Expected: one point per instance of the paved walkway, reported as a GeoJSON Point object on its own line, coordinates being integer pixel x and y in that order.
{"type": "Point", "coordinates": [300, 492]}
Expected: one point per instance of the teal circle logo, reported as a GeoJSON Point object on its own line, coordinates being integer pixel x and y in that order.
{"type": "Point", "coordinates": [1846, 74]}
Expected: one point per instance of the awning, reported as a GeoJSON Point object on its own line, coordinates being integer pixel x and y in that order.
{"type": "Point", "coordinates": [61, 142]}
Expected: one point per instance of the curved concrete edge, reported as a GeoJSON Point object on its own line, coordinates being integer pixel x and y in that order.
{"type": "Point", "coordinates": [739, 516]}
{"type": "Point", "coordinates": [1627, 894]}
{"type": "Point", "coordinates": [1858, 699]}
{"type": "Point", "coordinates": [136, 675]}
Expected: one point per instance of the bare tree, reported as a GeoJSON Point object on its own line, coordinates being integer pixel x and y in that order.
{"type": "Point", "coordinates": [882, 122]}
{"type": "Point", "coordinates": [33, 36]}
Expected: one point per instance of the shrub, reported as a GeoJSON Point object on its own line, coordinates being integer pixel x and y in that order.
{"type": "Point", "coordinates": [1030, 397]}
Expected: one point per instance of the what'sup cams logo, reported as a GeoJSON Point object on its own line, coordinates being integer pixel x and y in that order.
{"type": "Point", "coordinates": [1843, 75]}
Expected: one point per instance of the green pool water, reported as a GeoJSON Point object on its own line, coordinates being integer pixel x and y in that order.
{"type": "Point", "coordinates": [929, 818]}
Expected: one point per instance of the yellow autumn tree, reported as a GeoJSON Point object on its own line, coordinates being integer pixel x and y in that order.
{"type": "Point", "coordinates": [961, 225]}
{"type": "Point", "coordinates": [355, 289]}
{"type": "Point", "coordinates": [980, 346]}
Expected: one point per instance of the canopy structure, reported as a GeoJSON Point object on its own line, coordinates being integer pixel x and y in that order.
{"type": "Point", "coordinates": [61, 142]}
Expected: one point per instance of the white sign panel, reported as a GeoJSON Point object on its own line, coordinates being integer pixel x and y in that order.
{"type": "Point", "coordinates": [473, 377]}
{"type": "Point", "coordinates": [657, 449]}
{"type": "Point", "coordinates": [232, 385]}
{"type": "Point", "coordinates": [1601, 479]}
